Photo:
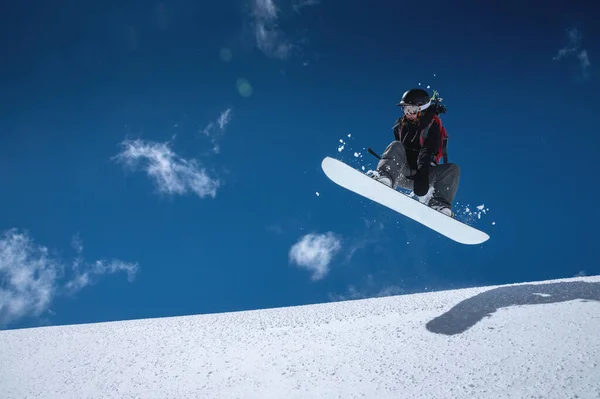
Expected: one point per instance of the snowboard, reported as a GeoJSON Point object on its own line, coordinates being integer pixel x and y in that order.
{"type": "Point", "coordinates": [361, 184]}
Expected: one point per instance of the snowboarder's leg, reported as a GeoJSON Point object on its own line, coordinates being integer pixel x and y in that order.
{"type": "Point", "coordinates": [444, 178]}
{"type": "Point", "coordinates": [393, 165]}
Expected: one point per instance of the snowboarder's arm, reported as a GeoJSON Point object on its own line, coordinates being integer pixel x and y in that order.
{"type": "Point", "coordinates": [397, 127]}
{"type": "Point", "coordinates": [430, 147]}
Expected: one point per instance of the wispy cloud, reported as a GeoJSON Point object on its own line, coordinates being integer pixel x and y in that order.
{"type": "Point", "coordinates": [275, 228]}
{"type": "Point", "coordinates": [373, 233]}
{"type": "Point", "coordinates": [271, 41]}
{"type": "Point", "coordinates": [85, 274]}
{"type": "Point", "coordinates": [171, 173]}
{"type": "Point", "coordinates": [370, 289]}
{"type": "Point", "coordinates": [31, 278]}
{"type": "Point", "coordinates": [265, 10]}
{"type": "Point", "coordinates": [574, 49]}
{"type": "Point", "coordinates": [314, 253]}
{"type": "Point", "coordinates": [354, 293]}
{"type": "Point", "coordinates": [304, 3]}
{"type": "Point", "coordinates": [270, 37]}
{"type": "Point", "coordinates": [214, 130]}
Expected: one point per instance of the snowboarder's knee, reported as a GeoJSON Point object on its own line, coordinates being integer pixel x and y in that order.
{"type": "Point", "coordinates": [454, 169]}
{"type": "Point", "coordinates": [396, 148]}
{"type": "Point", "coordinates": [395, 144]}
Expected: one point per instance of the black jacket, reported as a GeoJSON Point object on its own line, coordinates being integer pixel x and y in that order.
{"type": "Point", "coordinates": [408, 133]}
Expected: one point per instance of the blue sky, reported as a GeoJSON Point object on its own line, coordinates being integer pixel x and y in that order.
{"type": "Point", "coordinates": [163, 158]}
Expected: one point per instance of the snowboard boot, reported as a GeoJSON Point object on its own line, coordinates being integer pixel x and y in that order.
{"type": "Point", "coordinates": [441, 207]}
{"type": "Point", "coordinates": [380, 176]}
{"type": "Point", "coordinates": [444, 209]}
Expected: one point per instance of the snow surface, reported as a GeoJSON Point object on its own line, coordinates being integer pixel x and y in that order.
{"type": "Point", "coordinates": [537, 340]}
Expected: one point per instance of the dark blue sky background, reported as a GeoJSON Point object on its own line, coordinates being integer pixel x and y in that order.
{"type": "Point", "coordinates": [77, 81]}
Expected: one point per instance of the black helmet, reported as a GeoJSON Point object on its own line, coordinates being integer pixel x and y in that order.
{"type": "Point", "coordinates": [415, 97]}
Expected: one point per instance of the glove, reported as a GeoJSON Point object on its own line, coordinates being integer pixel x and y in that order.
{"type": "Point", "coordinates": [421, 182]}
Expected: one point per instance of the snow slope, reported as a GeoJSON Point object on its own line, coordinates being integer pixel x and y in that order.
{"type": "Point", "coordinates": [538, 340]}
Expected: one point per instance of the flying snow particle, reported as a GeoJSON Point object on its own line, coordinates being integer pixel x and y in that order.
{"type": "Point", "coordinates": [317, 193]}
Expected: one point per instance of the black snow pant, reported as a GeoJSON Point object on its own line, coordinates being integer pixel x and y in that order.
{"type": "Point", "coordinates": [443, 177]}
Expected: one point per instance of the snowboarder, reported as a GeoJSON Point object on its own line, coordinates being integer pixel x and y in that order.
{"type": "Point", "coordinates": [411, 161]}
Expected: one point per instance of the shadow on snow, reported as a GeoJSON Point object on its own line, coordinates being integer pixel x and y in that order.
{"type": "Point", "coordinates": [470, 311]}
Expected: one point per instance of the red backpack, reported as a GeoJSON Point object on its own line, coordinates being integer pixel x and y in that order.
{"type": "Point", "coordinates": [443, 151]}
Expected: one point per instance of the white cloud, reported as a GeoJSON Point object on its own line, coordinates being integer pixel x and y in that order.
{"type": "Point", "coordinates": [314, 253]}
{"type": "Point", "coordinates": [215, 129]}
{"type": "Point", "coordinates": [269, 36]}
{"type": "Point", "coordinates": [171, 173]}
{"type": "Point", "coordinates": [573, 49]}
{"type": "Point", "coordinates": [30, 275]}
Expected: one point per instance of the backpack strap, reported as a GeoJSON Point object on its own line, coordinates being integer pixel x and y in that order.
{"type": "Point", "coordinates": [444, 144]}
{"type": "Point", "coordinates": [441, 109]}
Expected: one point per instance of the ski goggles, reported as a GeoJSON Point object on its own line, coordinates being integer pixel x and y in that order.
{"type": "Point", "coordinates": [411, 110]}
